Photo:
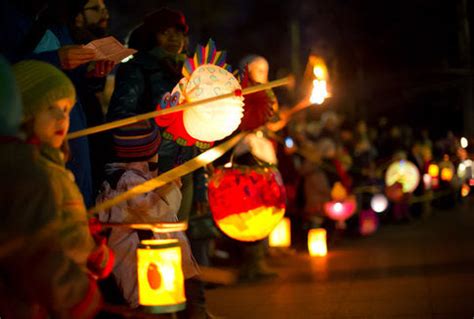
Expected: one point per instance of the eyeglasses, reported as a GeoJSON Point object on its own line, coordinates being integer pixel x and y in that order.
{"type": "Point", "coordinates": [97, 8]}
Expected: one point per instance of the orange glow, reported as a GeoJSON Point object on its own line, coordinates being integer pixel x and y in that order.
{"type": "Point", "coordinates": [433, 170]}
{"type": "Point", "coordinates": [252, 225]}
{"type": "Point", "coordinates": [317, 242]}
{"type": "Point", "coordinates": [465, 190]}
{"type": "Point", "coordinates": [338, 192]}
{"type": "Point", "coordinates": [160, 278]}
{"type": "Point", "coordinates": [281, 235]}
{"type": "Point", "coordinates": [321, 76]}
{"type": "Point", "coordinates": [446, 174]}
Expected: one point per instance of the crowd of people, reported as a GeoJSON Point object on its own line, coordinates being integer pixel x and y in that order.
{"type": "Point", "coordinates": [53, 252]}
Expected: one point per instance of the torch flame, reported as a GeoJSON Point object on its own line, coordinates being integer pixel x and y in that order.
{"type": "Point", "coordinates": [320, 92]}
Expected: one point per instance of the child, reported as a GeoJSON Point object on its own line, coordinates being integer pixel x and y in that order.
{"type": "Point", "coordinates": [48, 97]}
{"type": "Point", "coordinates": [37, 278]}
{"type": "Point", "coordinates": [135, 162]}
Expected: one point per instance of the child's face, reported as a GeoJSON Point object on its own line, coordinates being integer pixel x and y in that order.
{"type": "Point", "coordinates": [52, 123]}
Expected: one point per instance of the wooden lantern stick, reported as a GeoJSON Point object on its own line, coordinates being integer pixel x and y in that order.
{"type": "Point", "coordinates": [141, 117]}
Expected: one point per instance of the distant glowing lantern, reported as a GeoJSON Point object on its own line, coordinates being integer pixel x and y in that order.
{"type": "Point", "coordinates": [317, 242]}
{"type": "Point", "coordinates": [433, 170]}
{"type": "Point", "coordinates": [338, 192]}
{"type": "Point", "coordinates": [447, 171]}
{"type": "Point", "coordinates": [321, 76]}
{"type": "Point", "coordinates": [340, 211]}
{"type": "Point", "coordinates": [215, 120]}
{"type": "Point", "coordinates": [427, 181]}
{"type": "Point", "coordinates": [281, 235]}
{"type": "Point", "coordinates": [405, 173]}
{"type": "Point", "coordinates": [368, 222]}
{"type": "Point", "coordinates": [465, 190]}
{"type": "Point", "coordinates": [461, 171]}
{"type": "Point", "coordinates": [247, 202]}
{"type": "Point", "coordinates": [464, 142]}
{"type": "Point", "coordinates": [379, 203]}
{"type": "Point", "coordinates": [160, 277]}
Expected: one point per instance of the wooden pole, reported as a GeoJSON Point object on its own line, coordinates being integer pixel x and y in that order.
{"type": "Point", "coordinates": [141, 117]}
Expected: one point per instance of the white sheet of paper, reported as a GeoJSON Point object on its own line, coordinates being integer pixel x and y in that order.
{"type": "Point", "coordinates": [109, 48]}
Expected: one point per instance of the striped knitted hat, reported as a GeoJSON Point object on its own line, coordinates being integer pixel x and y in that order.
{"type": "Point", "coordinates": [136, 142]}
{"type": "Point", "coordinates": [40, 85]}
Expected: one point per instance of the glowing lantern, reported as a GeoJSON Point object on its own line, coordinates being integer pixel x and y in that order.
{"type": "Point", "coordinates": [464, 142]}
{"type": "Point", "coordinates": [216, 120]}
{"type": "Point", "coordinates": [320, 77]}
{"type": "Point", "coordinates": [447, 171]}
{"type": "Point", "coordinates": [368, 222]}
{"type": "Point", "coordinates": [465, 190]}
{"type": "Point", "coordinates": [281, 235]}
{"type": "Point", "coordinates": [206, 75]}
{"type": "Point", "coordinates": [160, 277]}
{"type": "Point", "coordinates": [379, 203]}
{"type": "Point", "coordinates": [317, 242]}
{"type": "Point", "coordinates": [247, 202]}
{"type": "Point", "coordinates": [405, 173]}
{"type": "Point", "coordinates": [427, 181]}
{"type": "Point", "coordinates": [338, 192]}
{"type": "Point", "coordinates": [433, 170]}
{"type": "Point", "coordinates": [340, 211]}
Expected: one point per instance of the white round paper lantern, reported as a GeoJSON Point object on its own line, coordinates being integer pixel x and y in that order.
{"type": "Point", "coordinates": [216, 120]}
{"type": "Point", "coordinates": [379, 203]}
{"type": "Point", "coordinates": [404, 172]}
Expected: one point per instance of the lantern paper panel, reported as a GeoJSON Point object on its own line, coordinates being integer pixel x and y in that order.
{"type": "Point", "coordinates": [317, 245]}
{"type": "Point", "coordinates": [247, 202]}
{"type": "Point", "coordinates": [405, 173]}
{"type": "Point", "coordinates": [160, 277]}
{"type": "Point", "coordinates": [281, 235]}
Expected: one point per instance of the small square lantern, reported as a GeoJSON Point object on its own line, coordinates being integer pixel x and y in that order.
{"type": "Point", "coordinates": [160, 277]}
{"type": "Point", "coordinates": [317, 242]}
{"type": "Point", "coordinates": [281, 235]}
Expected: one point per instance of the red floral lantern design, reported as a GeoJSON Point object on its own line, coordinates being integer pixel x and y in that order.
{"type": "Point", "coordinates": [247, 202]}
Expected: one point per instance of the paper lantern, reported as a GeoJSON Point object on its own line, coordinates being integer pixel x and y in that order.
{"type": "Point", "coordinates": [405, 173]}
{"type": "Point", "coordinates": [427, 181]}
{"type": "Point", "coordinates": [206, 75]}
{"type": "Point", "coordinates": [216, 120]}
{"type": "Point", "coordinates": [281, 235]}
{"type": "Point", "coordinates": [338, 192]}
{"type": "Point", "coordinates": [465, 190]}
{"type": "Point", "coordinates": [160, 277]}
{"type": "Point", "coordinates": [317, 242]}
{"type": "Point", "coordinates": [379, 203]}
{"type": "Point", "coordinates": [368, 222]}
{"type": "Point", "coordinates": [464, 142]}
{"type": "Point", "coordinates": [447, 171]}
{"type": "Point", "coordinates": [433, 170]}
{"type": "Point", "coordinates": [340, 210]}
{"type": "Point", "coordinates": [247, 202]}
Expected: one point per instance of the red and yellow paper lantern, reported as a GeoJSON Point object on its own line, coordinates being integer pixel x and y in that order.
{"type": "Point", "coordinates": [247, 202]}
{"type": "Point", "coordinates": [160, 277]}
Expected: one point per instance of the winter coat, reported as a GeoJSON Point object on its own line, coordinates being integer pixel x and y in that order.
{"type": "Point", "coordinates": [150, 207]}
{"type": "Point", "coordinates": [139, 86]}
{"type": "Point", "coordinates": [37, 277]}
{"type": "Point", "coordinates": [74, 232]}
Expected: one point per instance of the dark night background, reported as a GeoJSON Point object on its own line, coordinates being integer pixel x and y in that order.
{"type": "Point", "coordinates": [408, 60]}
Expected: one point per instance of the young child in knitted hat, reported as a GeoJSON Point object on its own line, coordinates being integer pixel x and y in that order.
{"type": "Point", "coordinates": [135, 149]}
{"type": "Point", "coordinates": [36, 277]}
{"type": "Point", "coordinates": [48, 97]}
